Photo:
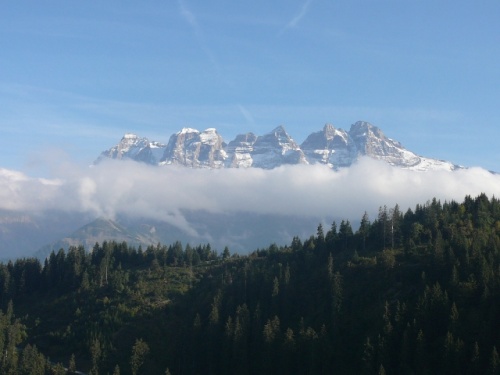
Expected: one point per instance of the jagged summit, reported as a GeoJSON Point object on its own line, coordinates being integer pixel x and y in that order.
{"type": "Point", "coordinates": [136, 148]}
{"type": "Point", "coordinates": [195, 149]}
{"type": "Point", "coordinates": [371, 141]}
{"type": "Point", "coordinates": [330, 146]}
{"type": "Point", "coordinates": [187, 130]}
{"type": "Point", "coordinates": [276, 148]}
{"type": "Point", "coordinates": [334, 147]}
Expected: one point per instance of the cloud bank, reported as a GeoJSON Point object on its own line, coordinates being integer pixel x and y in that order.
{"type": "Point", "coordinates": [137, 190]}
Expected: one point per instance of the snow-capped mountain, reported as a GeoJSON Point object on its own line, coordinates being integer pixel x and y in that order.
{"type": "Point", "coordinates": [330, 146]}
{"type": "Point", "coordinates": [135, 148]}
{"type": "Point", "coordinates": [336, 148]}
{"type": "Point", "coordinates": [241, 149]}
{"type": "Point", "coordinates": [276, 148]}
{"type": "Point", "coordinates": [370, 141]}
{"type": "Point", "coordinates": [196, 149]}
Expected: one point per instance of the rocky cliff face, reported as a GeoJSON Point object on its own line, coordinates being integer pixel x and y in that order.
{"type": "Point", "coordinates": [338, 148]}
{"type": "Point", "coordinates": [240, 151]}
{"type": "Point", "coordinates": [276, 148]}
{"type": "Point", "coordinates": [133, 147]}
{"type": "Point", "coordinates": [370, 141]}
{"type": "Point", "coordinates": [333, 147]}
{"type": "Point", "coordinates": [330, 146]}
{"type": "Point", "coordinates": [195, 149]}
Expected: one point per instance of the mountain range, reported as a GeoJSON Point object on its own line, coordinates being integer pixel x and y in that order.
{"type": "Point", "coordinates": [336, 148]}
{"type": "Point", "coordinates": [191, 148]}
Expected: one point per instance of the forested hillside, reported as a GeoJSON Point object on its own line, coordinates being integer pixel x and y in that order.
{"type": "Point", "coordinates": [407, 293]}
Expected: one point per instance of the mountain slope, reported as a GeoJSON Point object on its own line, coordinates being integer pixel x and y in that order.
{"type": "Point", "coordinates": [241, 232]}
{"type": "Point", "coordinates": [22, 233]}
{"type": "Point", "coordinates": [96, 231]}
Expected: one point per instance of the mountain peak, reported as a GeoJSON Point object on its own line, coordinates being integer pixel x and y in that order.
{"type": "Point", "coordinates": [276, 148]}
{"type": "Point", "coordinates": [279, 129]}
{"type": "Point", "coordinates": [195, 149]}
{"type": "Point", "coordinates": [371, 141]}
{"type": "Point", "coordinates": [130, 136]}
{"type": "Point", "coordinates": [329, 129]}
{"type": "Point", "coordinates": [363, 128]}
{"type": "Point", "coordinates": [331, 146]}
{"type": "Point", "coordinates": [188, 131]}
{"type": "Point", "coordinates": [131, 146]}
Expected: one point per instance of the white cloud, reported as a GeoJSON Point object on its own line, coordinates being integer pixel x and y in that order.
{"type": "Point", "coordinates": [133, 189]}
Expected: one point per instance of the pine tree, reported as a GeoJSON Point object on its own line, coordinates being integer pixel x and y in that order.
{"type": "Point", "coordinates": [494, 365]}
{"type": "Point", "coordinates": [331, 235]}
{"type": "Point", "coordinates": [345, 233]}
{"type": "Point", "coordinates": [474, 361]}
{"type": "Point", "coordinates": [320, 238]}
{"type": "Point", "coordinates": [96, 354]}
{"type": "Point", "coordinates": [226, 254]}
{"type": "Point", "coordinates": [454, 318]}
{"type": "Point", "coordinates": [364, 229]}
{"type": "Point", "coordinates": [329, 266]}
{"type": "Point", "coordinates": [276, 287]}
{"type": "Point", "coordinates": [72, 364]}
{"type": "Point", "coordinates": [139, 352]}
{"type": "Point", "coordinates": [368, 357]}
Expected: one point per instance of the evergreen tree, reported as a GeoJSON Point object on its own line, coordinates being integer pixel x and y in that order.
{"type": "Point", "coordinates": [364, 229]}
{"type": "Point", "coordinates": [494, 365]}
{"type": "Point", "coordinates": [96, 354]}
{"type": "Point", "coordinates": [72, 364]}
{"type": "Point", "coordinates": [139, 352]}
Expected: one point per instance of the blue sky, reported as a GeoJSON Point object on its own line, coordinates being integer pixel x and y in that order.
{"type": "Point", "coordinates": [75, 76]}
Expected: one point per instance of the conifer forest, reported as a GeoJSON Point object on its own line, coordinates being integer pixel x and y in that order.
{"type": "Point", "coordinates": [415, 292]}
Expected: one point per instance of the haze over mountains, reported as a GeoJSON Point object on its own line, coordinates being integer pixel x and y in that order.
{"type": "Point", "coordinates": [244, 194]}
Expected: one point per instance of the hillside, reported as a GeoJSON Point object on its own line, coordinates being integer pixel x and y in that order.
{"type": "Point", "coordinates": [406, 293]}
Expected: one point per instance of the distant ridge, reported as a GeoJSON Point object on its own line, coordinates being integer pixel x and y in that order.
{"type": "Point", "coordinates": [334, 147]}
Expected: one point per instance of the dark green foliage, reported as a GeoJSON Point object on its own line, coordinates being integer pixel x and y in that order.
{"type": "Point", "coordinates": [405, 294]}
{"type": "Point", "coordinates": [139, 352]}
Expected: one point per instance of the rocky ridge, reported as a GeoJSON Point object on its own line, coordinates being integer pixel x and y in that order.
{"type": "Point", "coordinates": [334, 147]}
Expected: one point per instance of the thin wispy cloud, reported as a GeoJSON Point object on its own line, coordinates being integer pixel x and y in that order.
{"type": "Point", "coordinates": [191, 19]}
{"type": "Point", "coordinates": [298, 17]}
{"type": "Point", "coordinates": [246, 114]}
